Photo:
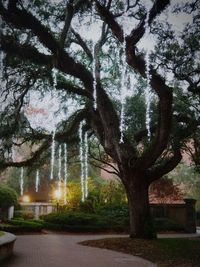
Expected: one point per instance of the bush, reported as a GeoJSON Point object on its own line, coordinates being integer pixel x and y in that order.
{"type": "Point", "coordinates": [165, 224]}
{"type": "Point", "coordinates": [82, 222]}
{"type": "Point", "coordinates": [114, 210]}
{"type": "Point", "coordinates": [91, 204]}
{"type": "Point", "coordinates": [8, 197]}
{"type": "Point", "coordinates": [26, 215]}
{"type": "Point", "coordinates": [25, 226]}
{"type": "Point", "coordinates": [71, 218]}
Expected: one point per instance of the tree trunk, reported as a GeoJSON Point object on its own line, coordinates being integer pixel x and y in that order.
{"type": "Point", "coordinates": [141, 225]}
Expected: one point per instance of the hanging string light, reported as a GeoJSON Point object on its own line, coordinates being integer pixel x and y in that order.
{"type": "Point", "coordinates": [148, 78]}
{"type": "Point", "coordinates": [86, 163]}
{"type": "Point", "coordinates": [81, 160]}
{"type": "Point", "coordinates": [123, 91]}
{"type": "Point", "coordinates": [59, 167]}
{"type": "Point", "coordinates": [65, 174]}
{"type": "Point", "coordinates": [94, 63]}
{"type": "Point", "coordinates": [22, 181]}
{"type": "Point", "coordinates": [37, 181]}
{"type": "Point", "coordinates": [52, 156]}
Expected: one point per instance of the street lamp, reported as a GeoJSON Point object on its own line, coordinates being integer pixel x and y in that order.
{"type": "Point", "coordinates": [58, 196]}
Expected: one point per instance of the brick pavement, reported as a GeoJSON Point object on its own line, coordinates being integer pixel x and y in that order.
{"type": "Point", "coordinates": [53, 250]}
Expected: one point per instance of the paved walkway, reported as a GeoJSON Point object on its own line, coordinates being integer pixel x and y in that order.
{"type": "Point", "coordinates": [63, 251]}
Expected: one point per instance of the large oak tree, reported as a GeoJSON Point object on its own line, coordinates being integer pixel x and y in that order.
{"type": "Point", "coordinates": [40, 36]}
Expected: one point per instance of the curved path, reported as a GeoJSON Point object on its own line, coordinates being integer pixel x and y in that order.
{"type": "Point", "coordinates": [53, 250]}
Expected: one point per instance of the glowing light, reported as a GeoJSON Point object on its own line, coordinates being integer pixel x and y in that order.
{"type": "Point", "coordinates": [94, 65]}
{"type": "Point", "coordinates": [65, 174]}
{"type": "Point", "coordinates": [58, 194]}
{"type": "Point", "coordinates": [82, 160]}
{"type": "Point", "coordinates": [37, 181]}
{"type": "Point", "coordinates": [59, 166]}
{"type": "Point", "coordinates": [22, 181]}
{"type": "Point", "coordinates": [124, 78]}
{"type": "Point", "coordinates": [52, 156]}
{"type": "Point", "coordinates": [86, 163]}
{"type": "Point", "coordinates": [148, 77]}
{"type": "Point", "coordinates": [26, 199]}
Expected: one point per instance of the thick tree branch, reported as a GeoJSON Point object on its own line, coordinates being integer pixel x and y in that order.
{"type": "Point", "coordinates": [23, 19]}
{"type": "Point", "coordinates": [137, 33]}
{"type": "Point", "coordinates": [31, 160]}
{"type": "Point", "coordinates": [68, 136]}
{"type": "Point", "coordinates": [25, 52]}
{"type": "Point", "coordinates": [61, 60]}
{"type": "Point", "coordinates": [68, 18]}
{"type": "Point", "coordinates": [70, 88]}
{"type": "Point", "coordinates": [168, 165]}
{"type": "Point", "coordinates": [64, 62]}
{"type": "Point", "coordinates": [109, 19]}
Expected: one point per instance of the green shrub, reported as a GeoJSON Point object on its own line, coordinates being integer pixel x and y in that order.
{"type": "Point", "coordinates": [26, 226]}
{"type": "Point", "coordinates": [26, 215]}
{"type": "Point", "coordinates": [82, 222]}
{"type": "Point", "coordinates": [91, 204]}
{"type": "Point", "coordinates": [115, 210]}
{"type": "Point", "coordinates": [41, 222]}
{"type": "Point", "coordinates": [8, 197]}
{"type": "Point", "coordinates": [165, 224]}
{"type": "Point", "coordinates": [71, 218]}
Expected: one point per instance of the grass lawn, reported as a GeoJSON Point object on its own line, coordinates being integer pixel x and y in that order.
{"type": "Point", "coordinates": [1, 233]}
{"type": "Point", "coordinates": [165, 252]}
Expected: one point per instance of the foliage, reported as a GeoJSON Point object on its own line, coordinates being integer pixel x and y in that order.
{"type": "Point", "coordinates": [23, 214]}
{"type": "Point", "coordinates": [8, 197]}
{"type": "Point", "coordinates": [115, 210]}
{"type": "Point", "coordinates": [165, 190]}
{"type": "Point", "coordinates": [113, 192]}
{"type": "Point", "coordinates": [21, 226]}
{"type": "Point", "coordinates": [92, 202]}
{"type": "Point", "coordinates": [82, 222]}
{"type": "Point", "coordinates": [189, 178]}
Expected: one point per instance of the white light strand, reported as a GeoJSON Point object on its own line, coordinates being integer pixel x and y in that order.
{"type": "Point", "coordinates": [65, 174]}
{"type": "Point", "coordinates": [148, 77]}
{"type": "Point", "coordinates": [59, 167]}
{"type": "Point", "coordinates": [1, 55]}
{"type": "Point", "coordinates": [52, 156]}
{"type": "Point", "coordinates": [123, 85]}
{"type": "Point", "coordinates": [81, 160]}
{"type": "Point", "coordinates": [94, 64]}
{"type": "Point", "coordinates": [37, 181]}
{"type": "Point", "coordinates": [54, 76]}
{"type": "Point", "coordinates": [22, 181]}
{"type": "Point", "coordinates": [86, 162]}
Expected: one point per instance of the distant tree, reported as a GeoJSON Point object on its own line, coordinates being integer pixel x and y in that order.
{"type": "Point", "coordinates": [165, 190]}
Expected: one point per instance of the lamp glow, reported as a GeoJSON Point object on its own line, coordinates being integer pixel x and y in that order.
{"type": "Point", "coordinates": [26, 199]}
{"type": "Point", "coordinates": [58, 194]}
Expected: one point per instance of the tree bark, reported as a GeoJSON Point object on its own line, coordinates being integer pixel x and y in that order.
{"type": "Point", "coordinates": [141, 225]}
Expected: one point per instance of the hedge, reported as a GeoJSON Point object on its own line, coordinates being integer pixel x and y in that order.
{"type": "Point", "coordinates": [81, 222]}
{"type": "Point", "coordinates": [20, 226]}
